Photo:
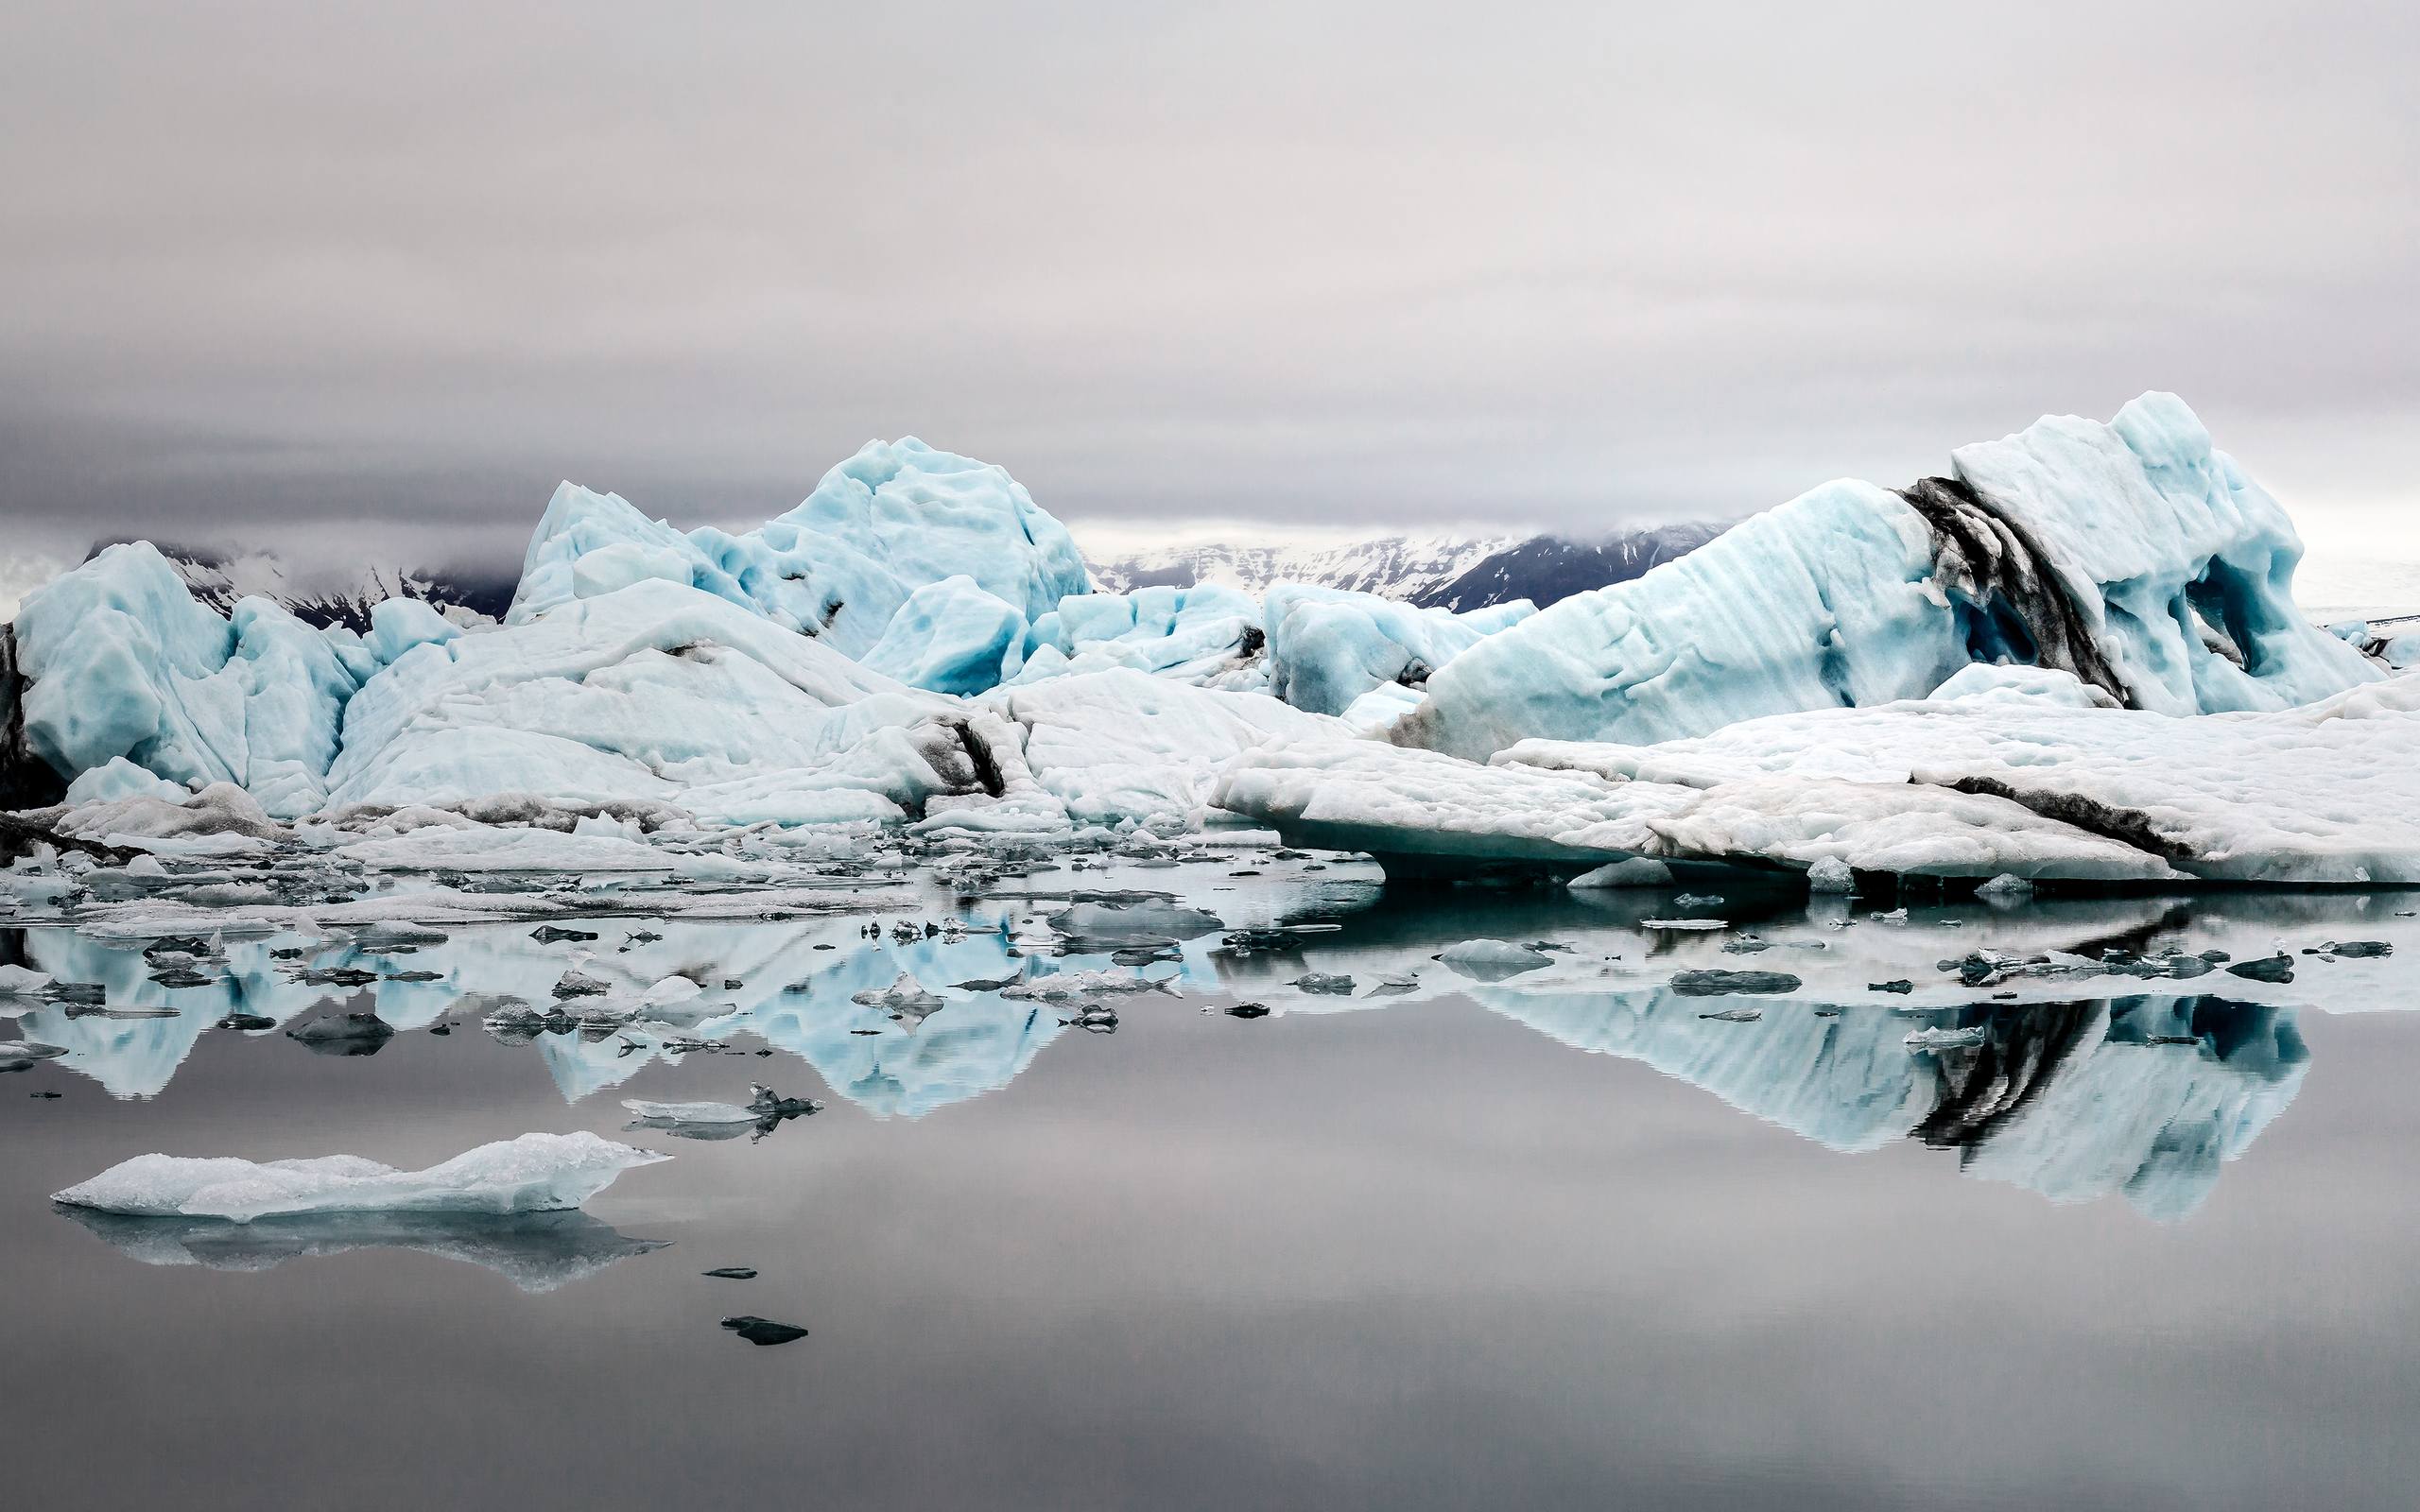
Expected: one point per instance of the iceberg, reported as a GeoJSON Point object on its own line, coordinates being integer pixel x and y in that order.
{"type": "Point", "coordinates": [892, 519]}
{"type": "Point", "coordinates": [119, 662]}
{"type": "Point", "coordinates": [536, 1172]}
{"type": "Point", "coordinates": [2134, 555]}
{"type": "Point", "coordinates": [653, 693]}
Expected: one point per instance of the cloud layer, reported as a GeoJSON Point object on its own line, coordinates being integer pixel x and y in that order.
{"type": "Point", "coordinates": [278, 269]}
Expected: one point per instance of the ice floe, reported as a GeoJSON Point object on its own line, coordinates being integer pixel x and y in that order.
{"type": "Point", "coordinates": [535, 1173]}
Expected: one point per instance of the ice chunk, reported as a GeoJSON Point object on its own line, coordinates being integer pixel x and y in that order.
{"type": "Point", "coordinates": [1209, 635]}
{"type": "Point", "coordinates": [951, 637]}
{"type": "Point", "coordinates": [655, 694]}
{"type": "Point", "coordinates": [2323, 794]}
{"type": "Point", "coordinates": [1415, 807]}
{"type": "Point", "coordinates": [120, 779]}
{"type": "Point", "coordinates": [536, 1172]}
{"type": "Point", "coordinates": [1977, 682]}
{"type": "Point", "coordinates": [400, 625]}
{"type": "Point", "coordinates": [1329, 646]}
{"type": "Point", "coordinates": [1120, 745]}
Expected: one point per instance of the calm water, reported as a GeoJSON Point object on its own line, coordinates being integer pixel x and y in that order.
{"type": "Point", "coordinates": [1467, 1243]}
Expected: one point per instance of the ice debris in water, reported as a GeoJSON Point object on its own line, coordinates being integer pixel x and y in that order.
{"type": "Point", "coordinates": [535, 1173]}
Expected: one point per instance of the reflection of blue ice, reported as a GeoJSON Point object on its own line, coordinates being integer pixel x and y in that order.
{"type": "Point", "coordinates": [535, 1252]}
{"type": "Point", "coordinates": [2143, 1095]}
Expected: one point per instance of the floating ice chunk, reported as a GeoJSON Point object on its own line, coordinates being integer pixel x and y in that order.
{"type": "Point", "coordinates": [16, 980]}
{"type": "Point", "coordinates": [2005, 888]}
{"type": "Point", "coordinates": [1830, 874]}
{"type": "Point", "coordinates": [535, 1173]}
{"type": "Point", "coordinates": [1947, 1037]}
{"type": "Point", "coordinates": [2322, 794]}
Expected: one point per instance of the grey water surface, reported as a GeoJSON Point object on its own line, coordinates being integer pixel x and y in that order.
{"type": "Point", "coordinates": [1434, 1241]}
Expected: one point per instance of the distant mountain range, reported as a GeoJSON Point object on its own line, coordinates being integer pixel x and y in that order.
{"type": "Point", "coordinates": [1450, 572]}
{"type": "Point", "coordinates": [219, 578]}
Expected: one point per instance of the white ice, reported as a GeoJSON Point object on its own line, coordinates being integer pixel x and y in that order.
{"type": "Point", "coordinates": [536, 1172]}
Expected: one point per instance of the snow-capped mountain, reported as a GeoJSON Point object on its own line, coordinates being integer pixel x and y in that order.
{"type": "Point", "coordinates": [1451, 572]}
{"type": "Point", "coordinates": [346, 596]}
{"type": "Point", "coordinates": [1544, 569]}
{"type": "Point", "coordinates": [1394, 566]}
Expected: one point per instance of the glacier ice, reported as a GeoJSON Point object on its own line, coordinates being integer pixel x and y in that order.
{"type": "Point", "coordinates": [950, 637]}
{"type": "Point", "coordinates": [535, 1173]}
{"type": "Point", "coordinates": [1208, 634]}
{"type": "Point", "coordinates": [1421, 810]}
{"type": "Point", "coordinates": [119, 661]}
{"type": "Point", "coordinates": [892, 519]}
{"type": "Point", "coordinates": [1328, 646]}
{"type": "Point", "coordinates": [2133, 555]}
{"type": "Point", "coordinates": [916, 645]}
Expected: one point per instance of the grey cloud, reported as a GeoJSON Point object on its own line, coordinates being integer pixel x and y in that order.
{"type": "Point", "coordinates": [281, 266]}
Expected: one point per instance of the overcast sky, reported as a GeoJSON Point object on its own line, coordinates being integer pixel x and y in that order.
{"type": "Point", "coordinates": [319, 273]}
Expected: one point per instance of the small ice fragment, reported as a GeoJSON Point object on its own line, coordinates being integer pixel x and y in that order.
{"type": "Point", "coordinates": [1831, 875]}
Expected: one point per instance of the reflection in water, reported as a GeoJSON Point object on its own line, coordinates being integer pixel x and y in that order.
{"type": "Point", "coordinates": [2076, 1093]}
{"type": "Point", "coordinates": [535, 1252]}
{"type": "Point", "coordinates": [2141, 1095]}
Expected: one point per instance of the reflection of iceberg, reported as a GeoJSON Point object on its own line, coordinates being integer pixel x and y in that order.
{"type": "Point", "coordinates": [2144, 1095]}
{"type": "Point", "coordinates": [535, 1252]}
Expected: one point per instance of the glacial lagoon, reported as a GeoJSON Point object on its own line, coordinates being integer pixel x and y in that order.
{"type": "Point", "coordinates": [1333, 1209]}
